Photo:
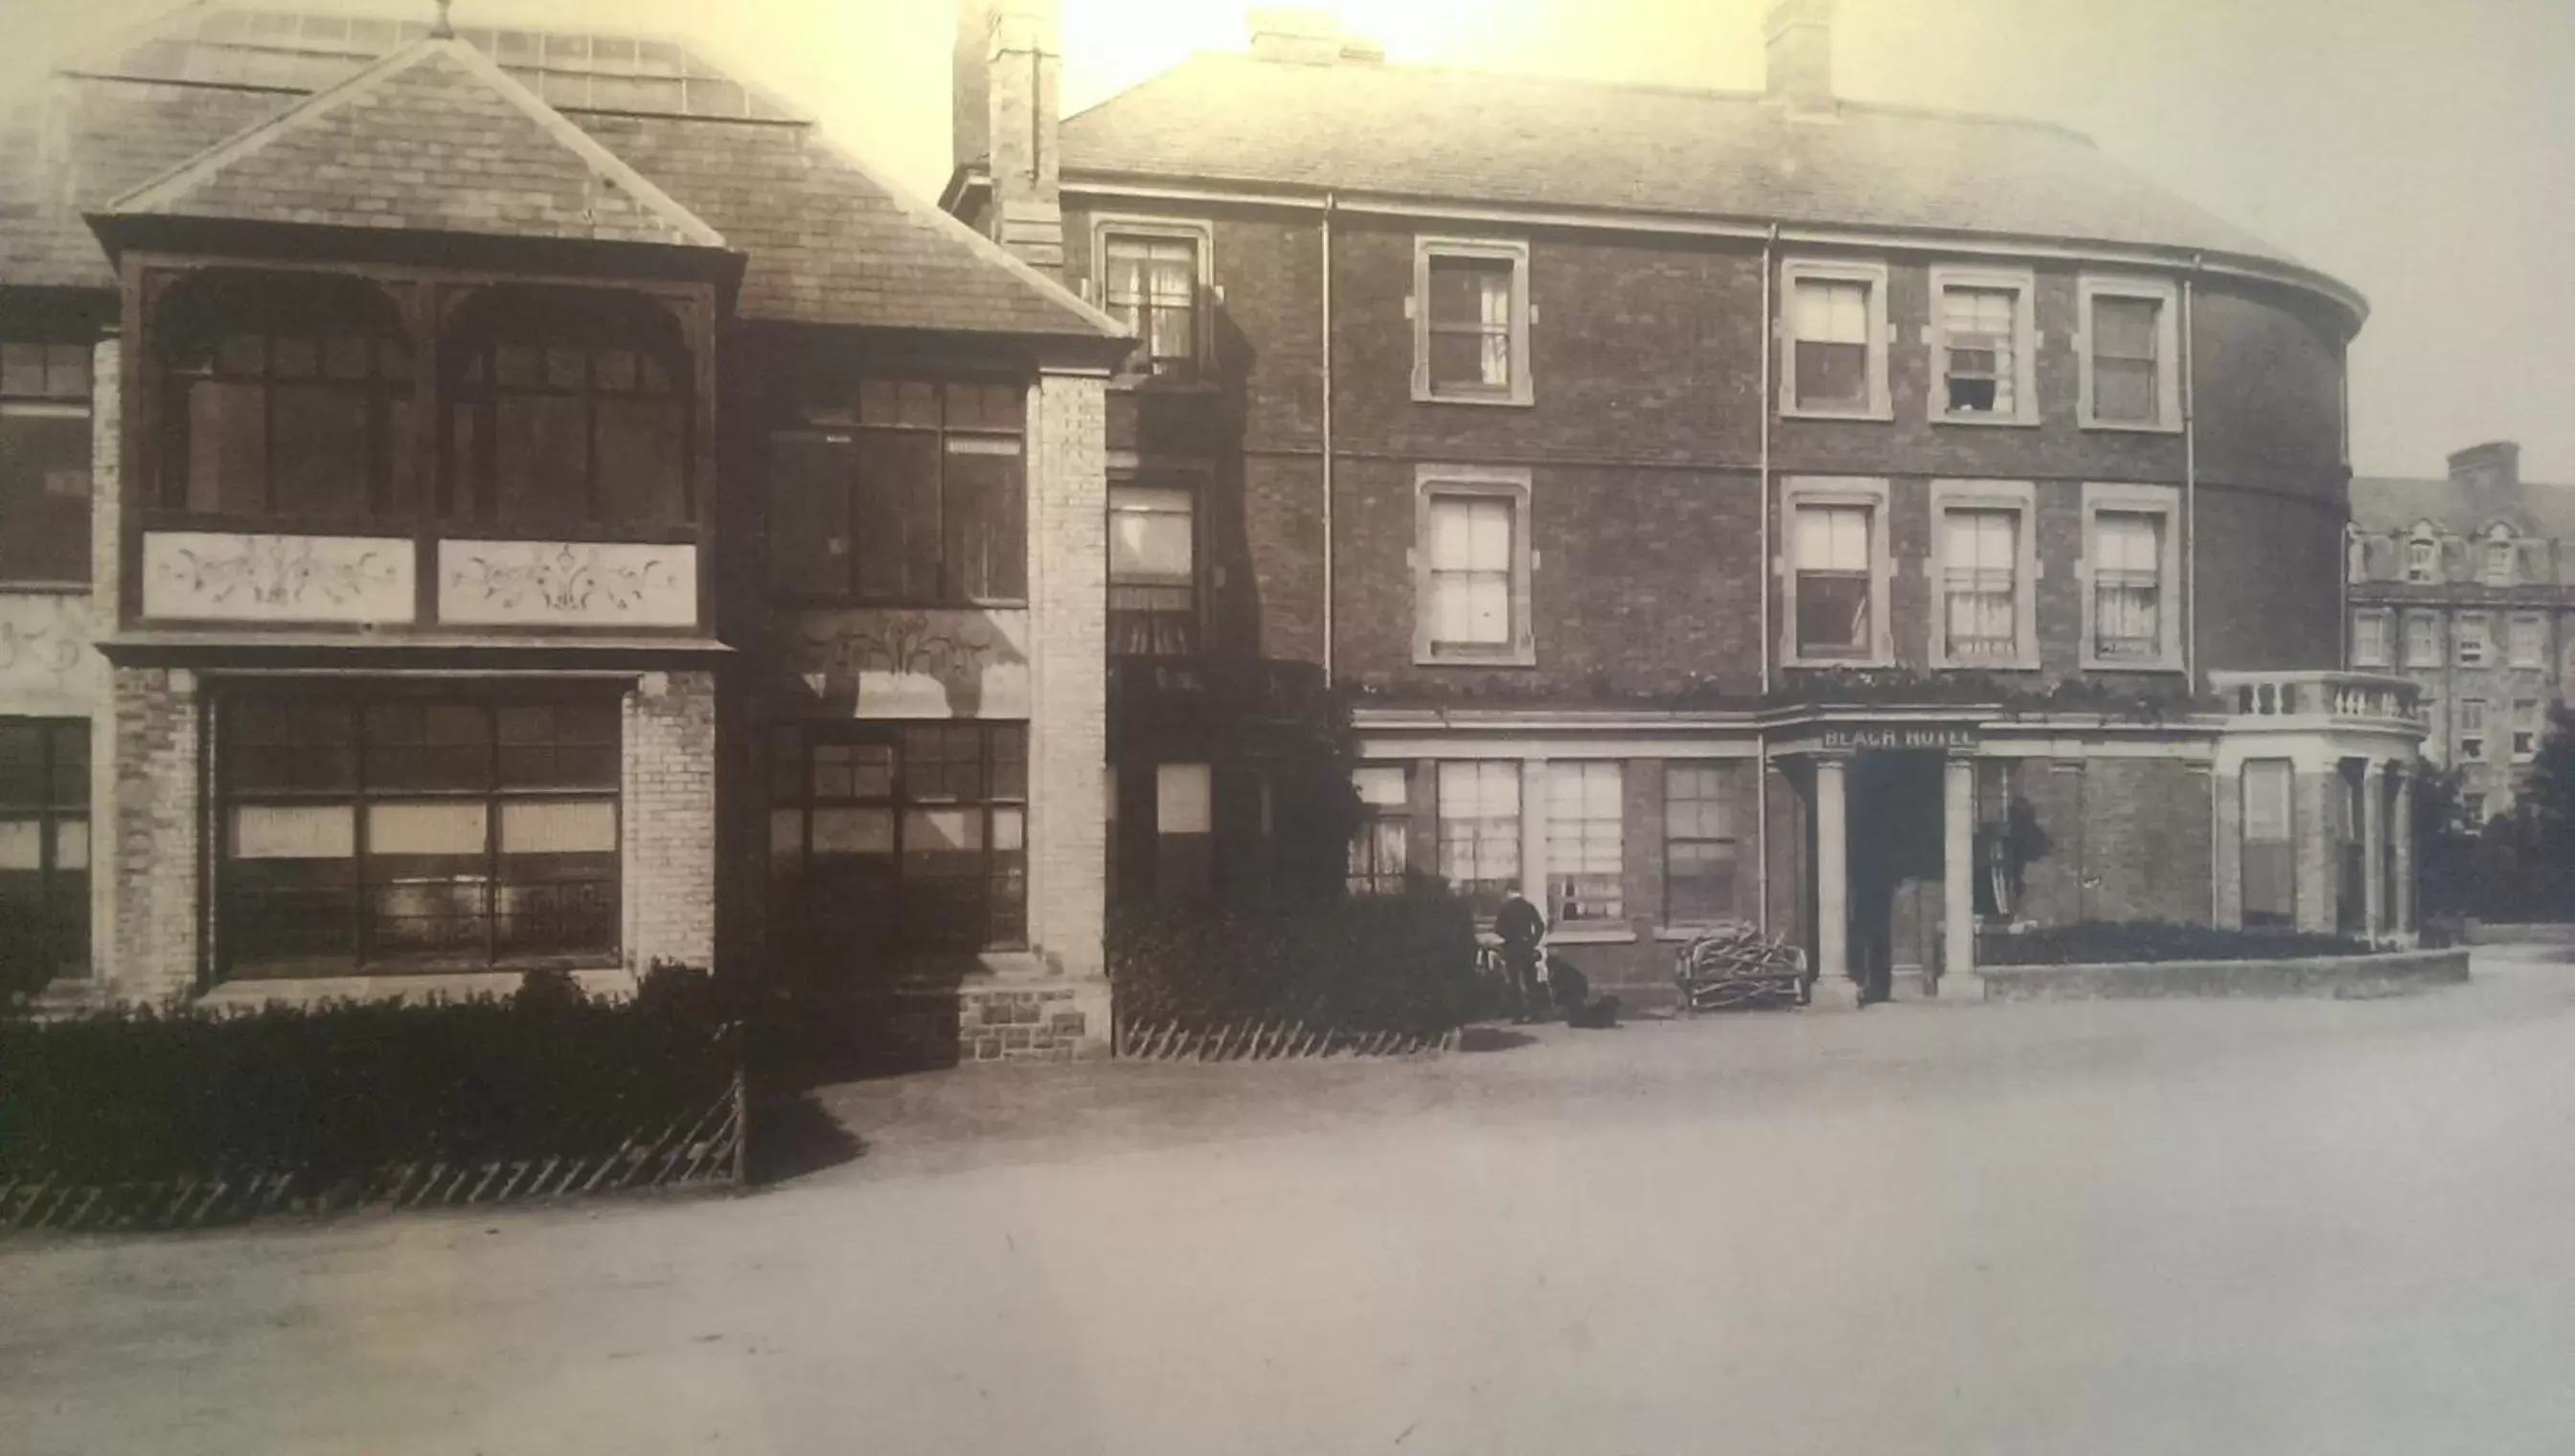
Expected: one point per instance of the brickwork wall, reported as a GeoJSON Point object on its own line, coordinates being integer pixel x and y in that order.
{"type": "Point", "coordinates": [2129, 840]}
{"type": "Point", "coordinates": [670, 819]}
{"type": "Point", "coordinates": [1069, 626]}
{"type": "Point", "coordinates": [1646, 358]}
{"type": "Point", "coordinates": [151, 848]}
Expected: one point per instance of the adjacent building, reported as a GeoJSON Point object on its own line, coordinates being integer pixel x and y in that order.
{"type": "Point", "coordinates": [2466, 586]}
{"type": "Point", "coordinates": [1889, 526]}
{"type": "Point", "coordinates": [495, 498]}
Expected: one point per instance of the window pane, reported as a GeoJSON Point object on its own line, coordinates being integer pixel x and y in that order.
{"type": "Point", "coordinates": [809, 513]}
{"type": "Point", "coordinates": [1585, 841]}
{"type": "Point", "coordinates": [1832, 613]}
{"type": "Point", "coordinates": [1833, 375]}
{"type": "Point", "coordinates": [643, 460]}
{"type": "Point", "coordinates": [986, 549]}
{"type": "Point", "coordinates": [323, 451]}
{"type": "Point", "coordinates": [227, 447]}
{"type": "Point", "coordinates": [897, 518]}
{"type": "Point", "coordinates": [1479, 830]}
{"type": "Point", "coordinates": [541, 465]}
{"type": "Point", "coordinates": [2125, 328]}
{"type": "Point", "coordinates": [1149, 536]}
{"type": "Point", "coordinates": [44, 497]}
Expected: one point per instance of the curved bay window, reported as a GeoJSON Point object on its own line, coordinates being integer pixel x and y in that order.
{"type": "Point", "coordinates": [569, 409]}
{"type": "Point", "coordinates": [912, 838]}
{"type": "Point", "coordinates": [286, 396]}
{"type": "Point", "coordinates": [389, 829]}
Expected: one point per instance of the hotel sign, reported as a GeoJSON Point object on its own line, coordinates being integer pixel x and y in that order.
{"type": "Point", "coordinates": [1855, 737]}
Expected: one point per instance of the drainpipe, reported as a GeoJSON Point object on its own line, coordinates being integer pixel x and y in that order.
{"type": "Point", "coordinates": [1761, 575]}
{"type": "Point", "coordinates": [2190, 479]}
{"type": "Point", "coordinates": [1327, 440]}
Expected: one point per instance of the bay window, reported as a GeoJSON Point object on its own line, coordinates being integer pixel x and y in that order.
{"type": "Point", "coordinates": [570, 408]}
{"type": "Point", "coordinates": [390, 830]}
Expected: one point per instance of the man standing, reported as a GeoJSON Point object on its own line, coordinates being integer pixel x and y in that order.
{"type": "Point", "coordinates": [1522, 929]}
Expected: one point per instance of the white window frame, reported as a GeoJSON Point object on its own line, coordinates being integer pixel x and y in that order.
{"type": "Point", "coordinates": [2120, 498]}
{"type": "Point", "coordinates": [1872, 492]}
{"type": "Point", "coordinates": [2472, 627]}
{"type": "Point", "coordinates": [2432, 656]}
{"type": "Point", "coordinates": [2422, 557]}
{"type": "Point", "coordinates": [1487, 482]}
{"type": "Point", "coordinates": [2472, 749]}
{"type": "Point", "coordinates": [2024, 283]}
{"type": "Point", "coordinates": [2093, 286]}
{"type": "Point", "coordinates": [1524, 387]}
{"type": "Point", "coordinates": [2530, 627]}
{"type": "Point", "coordinates": [1203, 313]}
{"type": "Point", "coordinates": [2020, 498]}
{"type": "Point", "coordinates": [1794, 270]}
{"type": "Point", "coordinates": [2538, 729]}
{"type": "Point", "coordinates": [2500, 539]}
{"type": "Point", "coordinates": [2384, 622]}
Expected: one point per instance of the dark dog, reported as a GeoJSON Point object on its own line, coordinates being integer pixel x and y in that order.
{"type": "Point", "coordinates": [1571, 991]}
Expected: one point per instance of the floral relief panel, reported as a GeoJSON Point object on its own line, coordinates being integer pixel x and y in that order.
{"type": "Point", "coordinates": [961, 662]}
{"type": "Point", "coordinates": [46, 667]}
{"type": "Point", "coordinates": [567, 584]}
{"type": "Point", "coordinates": [206, 576]}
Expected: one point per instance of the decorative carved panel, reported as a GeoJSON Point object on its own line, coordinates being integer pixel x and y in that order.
{"type": "Point", "coordinates": [967, 662]}
{"type": "Point", "coordinates": [205, 576]}
{"type": "Point", "coordinates": [565, 584]}
{"type": "Point", "coordinates": [46, 667]}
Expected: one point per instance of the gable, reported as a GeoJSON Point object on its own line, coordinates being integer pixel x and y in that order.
{"type": "Point", "coordinates": [434, 138]}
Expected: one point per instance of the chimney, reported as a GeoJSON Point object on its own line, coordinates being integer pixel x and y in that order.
{"type": "Point", "coordinates": [1011, 51]}
{"type": "Point", "coordinates": [2491, 468]}
{"type": "Point", "coordinates": [1797, 36]}
{"type": "Point", "coordinates": [1300, 35]}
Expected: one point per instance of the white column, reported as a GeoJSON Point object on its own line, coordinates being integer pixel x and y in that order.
{"type": "Point", "coordinates": [1834, 985]}
{"type": "Point", "coordinates": [2373, 848]}
{"type": "Point", "coordinates": [2403, 832]}
{"type": "Point", "coordinates": [1534, 821]}
{"type": "Point", "coordinates": [1957, 874]}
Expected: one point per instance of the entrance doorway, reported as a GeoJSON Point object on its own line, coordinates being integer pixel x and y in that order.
{"type": "Point", "coordinates": [1895, 871]}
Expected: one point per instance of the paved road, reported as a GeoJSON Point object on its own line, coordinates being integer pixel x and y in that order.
{"type": "Point", "coordinates": [2275, 1227]}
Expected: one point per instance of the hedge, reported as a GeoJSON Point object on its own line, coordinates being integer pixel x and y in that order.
{"type": "Point", "coordinates": [334, 1092]}
{"type": "Point", "coordinates": [2108, 942]}
{"type": "Point", "coordinates": [1400, 963]}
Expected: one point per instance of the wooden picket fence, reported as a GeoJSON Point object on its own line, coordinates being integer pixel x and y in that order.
{"type": "Point", "coordinates": [1268, 1041]}
{"type": "Point", "coordinates": [705, 1150]}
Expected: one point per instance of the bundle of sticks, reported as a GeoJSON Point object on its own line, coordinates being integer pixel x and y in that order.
{"type": "Point", "coordinates": [1735, 964]}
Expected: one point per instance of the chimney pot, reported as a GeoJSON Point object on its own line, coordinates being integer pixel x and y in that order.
{"type": "Point", "coordinates": [1797, 39]}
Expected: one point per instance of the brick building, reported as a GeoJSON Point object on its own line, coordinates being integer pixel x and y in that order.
{"type": "Point", "coordinates": [1881, 524]}
{"type": "Point", "coordinates": [2467, 585]}
{"type": "Point", "coordinates": [484, 500]}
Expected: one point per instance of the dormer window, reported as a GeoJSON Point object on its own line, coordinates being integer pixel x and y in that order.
{"type": "Point", "coordinates": [2499, 563]}
{"type": "Point", "coordinates": [2422, 559]}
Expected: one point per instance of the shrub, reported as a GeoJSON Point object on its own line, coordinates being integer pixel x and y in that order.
{"type": "Point", "coordinates": [2111, 943]}
{"type": "Point", "coordinates": [331, 1092]}
{"type": "Point", "coordinates": [1404, 963]}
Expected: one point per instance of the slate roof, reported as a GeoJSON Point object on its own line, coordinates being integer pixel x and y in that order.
{"type": "Point", "coordinates": [1462, 136]}
{"type": "Point", "coordinates": [2387, 504]}
{"type": "Point", "coordinates": [828, 240]}
{"type": "Point", "coordinates": [432, 137]}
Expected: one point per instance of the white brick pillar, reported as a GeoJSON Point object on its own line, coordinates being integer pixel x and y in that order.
{"type": "Point", "coordinates": [1533, 822]}
{"type": "Point", "coordinates": [2373, 851]}
{"type": "Point", "coordinates": [1834, 985]}
{"type": "Point", "coordinates": [1957, 874]}
{"type": "Point", "coordinates": [107, 562]}
{"type": "Point", "coordinates": [1069, 670]}
{"type": "Point", "coordinates": [669, 820]}
{"type": "Point", "coordinates": [148, 845]}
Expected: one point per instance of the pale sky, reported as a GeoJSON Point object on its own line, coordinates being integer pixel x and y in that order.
{"type": "Point", "coordinates": [2422, 150]}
